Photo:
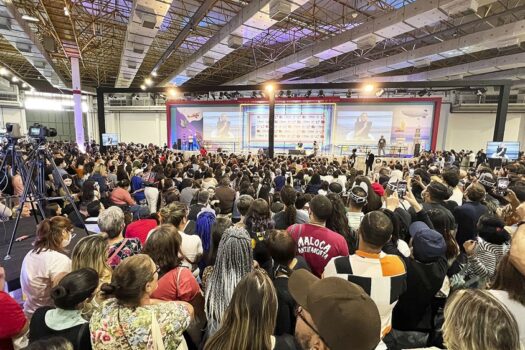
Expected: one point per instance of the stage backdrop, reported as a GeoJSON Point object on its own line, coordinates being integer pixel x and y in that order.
{"type": "Point", "coordinates": [338, 124]}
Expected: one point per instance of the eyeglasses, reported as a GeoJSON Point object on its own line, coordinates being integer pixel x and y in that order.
{"type": "Point", "coordinates": [299, 313]}
{"type": "Point", "coordinates": [157, 270]}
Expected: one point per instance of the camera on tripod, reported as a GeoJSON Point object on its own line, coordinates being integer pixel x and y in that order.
{"type": "Point", "coordinates": [11, 130]}
{"type": "Point", "coordinates": [38, 131]}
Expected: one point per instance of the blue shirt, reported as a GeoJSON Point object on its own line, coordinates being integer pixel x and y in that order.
{"type": "Point", "coordinates": [136, 184]}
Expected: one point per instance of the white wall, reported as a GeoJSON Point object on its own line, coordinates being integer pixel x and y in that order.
{"type": "Point", "coordinates": [138, 127]}
{"type": "Point", "coordinates": [473, 130]}
{"type": "Point", "coordinates": [13, 115]}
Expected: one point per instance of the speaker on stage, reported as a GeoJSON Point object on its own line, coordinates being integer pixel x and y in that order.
{"type": "Point", "coordinates": [417, 149]}
{"type": "Point", "coordinates": [179, 144]}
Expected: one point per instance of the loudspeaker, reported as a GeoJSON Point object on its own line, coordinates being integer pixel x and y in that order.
{"type": "Point", "coordinates": [417, 149]}
{"type": "Point", "coordinates": [179, 144]}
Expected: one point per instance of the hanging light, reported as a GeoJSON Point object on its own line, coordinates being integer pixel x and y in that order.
{"type": "Point", "coordinates": [66, 11]}
{"type": "Point", "coordinates": [148, 81]}
{"type": "Point", "coordinates": [368, 88]}
{"type": "Point", "coordinates": [143, 87]}
{"type": "Point", "coordinates": [154, 73]}
{"type": "Point", "coordinates": [14, 79]}
{"type": "Point", "coordinates": [3, 71]}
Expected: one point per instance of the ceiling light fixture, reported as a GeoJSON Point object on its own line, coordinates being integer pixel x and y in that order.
{"type": "Point", "coordinates": [154, 73]}
{"type": "Point", "coordinates": [308, 93]}
{"type": "Point", "coordinates": [14, 79]}
{"type": "Point", "coordinates": [3, 71]}
{"type": "Point", "coordinates": [172, 92]}
{"type": "Point", "coordinates": [321, 93]}
{"type": "Point", "coordinates": [66, 11]}
{"type": "Point", "coordinates": [143, 87]}
{"type": "Point", "coordinates": [30, 18]}
{"type": "Point", "coordinates": [348, 93]}
{"type": "Point", "coordinates": [368, 88]}
{"type": "Point", "coordinates": [269, 87]}
{"type": "Point", "coordinates": [148, 81]}
{"type": "Point", "coordinates": [380, 92]}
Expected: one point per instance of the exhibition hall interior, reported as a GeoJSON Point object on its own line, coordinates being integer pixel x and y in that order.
{"type": "Point", "coordinates": [262, 174]}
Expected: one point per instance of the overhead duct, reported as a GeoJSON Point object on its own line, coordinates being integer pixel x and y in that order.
{"type": "Point", "coordinates": [455, 47]}
{"type": "Point", "coordinates": [425, 62]}
{"type": "Point", "coordinates": [252, 20]}
{"type": "Point", "coordinates": [234, 42]}
{"type": "Point", "coordinates": [17, 32]}
{"type": "Point", "coordinates": [280, 9]}
{"type": "Point", "coordinates": [145, 19]}
{"type": "Point", "coordinates": [461, 6]}
{"type": "Point", "coordinates": [312, 62]}
{"type": "Point", "coordinates": [208, 61]}
{"type": "Point", "coordinates": [405, 19]}
{"type": "Point", "coordinates": [367, 42]}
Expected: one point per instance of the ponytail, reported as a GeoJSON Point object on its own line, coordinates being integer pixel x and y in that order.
{"type": "Point", "coordinates": [49, 234]}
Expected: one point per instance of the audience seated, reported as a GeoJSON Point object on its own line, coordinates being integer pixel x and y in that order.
{"type": "Point", "coordinates": [226, 238]}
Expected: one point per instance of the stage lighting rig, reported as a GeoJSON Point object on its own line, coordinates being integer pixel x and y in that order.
{"type": "Point", "coordinates": [254, 94]}
{"type": "Point", "coordinates": [308, 93]}
{"type": "Point", "coordinates": [281, 93]}
{"type": "Point", "coordinates": [481, 91]}
{"type": "Point", "coordinates": [422, 93]}
{"type": "Point", "coordinates": [221, 95]}
{"type": "Point", "coordinates": [321, 93]}
{"type": "Point", "coordinates": [380, 92]}
{"type": "Point", "coordinates": [348, 93]}
{"type": "Point", "coordinates": [288, 93]}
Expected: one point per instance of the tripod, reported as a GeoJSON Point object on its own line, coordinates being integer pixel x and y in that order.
{"type": "Point", "coordinates": [36, 171]}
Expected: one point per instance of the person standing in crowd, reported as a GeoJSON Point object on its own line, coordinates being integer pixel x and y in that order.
{"type": "Point", "coordinates": [66, 318]}
{"type": "Point", "coordinates": [290, 215]}
{"type": "Point", "coordinates": [369, 162]}
{"type": "Point", "coordinates": [203, 198]}
{"type": "Point", "coordinates": [315, 243]}
{"type": "Point", "coordinates": [46, 263]}
{"type": "Point", "coordinates": [225, 195]}
{"type": "Point", "coordinates": [111, 222]}
{"type": "Point", "coordinates": [131, 318]}
{"type": "Point", "coordinates": [372, 269]}
{"type": "Point", "coordinates": [468, 214]}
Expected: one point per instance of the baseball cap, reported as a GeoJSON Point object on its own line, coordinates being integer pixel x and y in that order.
{"type": "Point", "coordinates": [344, 315]}
{"type": "Point", "coordinates": [427, 244]}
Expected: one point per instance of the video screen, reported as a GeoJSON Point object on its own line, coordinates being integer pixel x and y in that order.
{"type": "Point", "coordinates": [503, 150]}
{"type": "Point", "coordinates": [109, 139]}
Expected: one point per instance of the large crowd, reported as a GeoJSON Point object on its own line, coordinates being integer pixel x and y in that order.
{"type": "Point", "coordinates": [221, 251]}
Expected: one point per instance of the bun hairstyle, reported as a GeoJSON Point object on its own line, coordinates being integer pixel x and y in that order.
{"type": "Point", "coordinates": [491, 229]}
{"type": "Point", "coordinates": [129, 279]}
{"type": "Point", "coordinates": [49, 234]}
{"type": "Point", "coordinates": [74, 288]}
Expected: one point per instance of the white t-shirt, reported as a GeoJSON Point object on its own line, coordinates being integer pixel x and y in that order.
{"type": "Point", "coordinates": [191, 247]}
{"type": "Point", "coordinates": [354, 219]}
{"type": "Point", "coordinates": [37, 275]}
{"type": "Point", "coordinates": [516, 309]}
{"type": "Point", "coordinates": [457, 196]}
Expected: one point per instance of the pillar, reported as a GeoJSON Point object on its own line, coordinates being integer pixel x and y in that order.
{"type": "Point", "coordinates": [77, 103]}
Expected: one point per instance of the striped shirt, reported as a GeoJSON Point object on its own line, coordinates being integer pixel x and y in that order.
{"type": "Point", "coordinates": [381, 276]}
{"type": "Point", "coordinates": [487, 256]}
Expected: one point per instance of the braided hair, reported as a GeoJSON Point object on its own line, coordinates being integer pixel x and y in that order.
{"type": "Point", "coordinates": [234, 261]}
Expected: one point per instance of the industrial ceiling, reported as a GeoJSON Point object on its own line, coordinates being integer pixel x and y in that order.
{"type": "Point", "coordinates": [124, 43]}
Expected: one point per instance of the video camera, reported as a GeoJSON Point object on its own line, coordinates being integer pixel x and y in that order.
{"type": "Point", "coordinates": [11, 130]}
{"type": "Point", "coordinates": [38, 131]}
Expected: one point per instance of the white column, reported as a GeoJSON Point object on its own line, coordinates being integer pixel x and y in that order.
{"type": "Point", "coordinates": [77, 100]}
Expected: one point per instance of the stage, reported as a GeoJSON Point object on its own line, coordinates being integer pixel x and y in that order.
{"type": "Point", "coordinates": [26, 226]}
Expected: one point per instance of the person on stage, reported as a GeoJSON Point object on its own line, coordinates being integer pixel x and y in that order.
{"type": "Point", "coordinates": [381, 144]}
{"type": "Point", "coordinates": [203, 151]}
{"type": "Point", "coordinates": [223, 127]}
{"type": "Point", "coordinates": [299, 146]}
{"type": "Point", "coordinates": [316, 148]}
{"type": "Point", "coordinates": [190, 142]}
{"type": "Point", "coordinates": [500, 152]}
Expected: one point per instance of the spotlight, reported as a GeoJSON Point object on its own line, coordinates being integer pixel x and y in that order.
{"type": "Point", "coordinates": [143, 87]}
{"type": "Point", "coordinates": [14, 79]}
{"type": "Point", "coordinates": [254, 94]}
{"type": "Point", "coordinates": [269, 87]}
{"type": "Point", "coordinates": [148, 81]}
{"type": "Point", "coordinates": [24, 85]}
{"type": "Point", "coordinates": [228, 95]}
{"type": "Point", "coordinates": [348, 93]}
{"type": "Point", "coordinates": [354, 15]}
{"type": "Point", "coordinates": [154, 73]}
{"type": "Point", "coordinates": [172, 92]}
{"type": "Point", "coordinates": [30, 18]}
{"type": "Point", "coordinates": [221, 95]}
{"type": "Point", "coordinates": [66, 11]}
{"type": "Point", "coordinates": [368, 88]}
{"type": "Point", "coordinates": [321, 93]}
{"type": "Point", "coordinates": [3, 71]}
{"type": "Point", "coordinates": [213, 96]}
{"type": "Point", "coordinates": [281, 93]}
{"type": "Point", "coordinates": [380, 92]}
{"type": "Point", "coordinates": [288, 93]}
{"type": "Point", "coordinates": [308, 93]}
{"type": "Point", "coordinates": [134, 96]}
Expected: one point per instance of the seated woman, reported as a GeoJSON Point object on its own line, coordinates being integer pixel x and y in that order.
{"type": "Point", "coordinates": [176, 282]}
{"type": "Point", "coordinates": [92, 252]}
{"type": "Point", "coordinates": [46, 263]}
{"type": "Point", "coordinates": [70, 296]}
{"type": "Point", "coordinates": [131, 319]}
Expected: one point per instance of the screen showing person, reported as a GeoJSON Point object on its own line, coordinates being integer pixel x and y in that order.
{"type": "Point", "coordinates": [362, 126]}
{"type": "Point", "coordinates": [109, 139]}
{"type": "Point", "coordinates": [223, 127]}
{"type": "Point", "coordinates": [503, 150]}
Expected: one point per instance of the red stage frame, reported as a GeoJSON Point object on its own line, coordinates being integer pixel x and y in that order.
{"type": "Point", "coordinates": [314, 100]}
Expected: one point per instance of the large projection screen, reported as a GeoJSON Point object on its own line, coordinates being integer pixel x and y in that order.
{"type": "Point", "coordinates": [335, 123]}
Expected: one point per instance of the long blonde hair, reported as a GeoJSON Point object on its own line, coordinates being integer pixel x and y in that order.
{"type": "Point", "coordinates": [476, 320]}
{"type": "Point", "coordinates": [92, 252]}
{"type": "Point", "coordinates": [250, 318]}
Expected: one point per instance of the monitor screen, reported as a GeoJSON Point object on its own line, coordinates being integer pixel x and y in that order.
{"type": "Point", "coordinates": [109, 139]}
{"type": "Point", "coordinates": [503, 150]}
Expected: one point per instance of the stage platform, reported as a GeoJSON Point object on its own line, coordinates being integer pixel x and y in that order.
{"type": "Point", "coordinates": [26, 226]}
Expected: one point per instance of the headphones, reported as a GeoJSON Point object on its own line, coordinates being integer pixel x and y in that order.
{"type": "Point", "coordinates": [356, 198]}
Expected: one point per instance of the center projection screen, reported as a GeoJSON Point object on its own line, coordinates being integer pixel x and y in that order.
{"type": "Point", "coordinates": [337, 126]}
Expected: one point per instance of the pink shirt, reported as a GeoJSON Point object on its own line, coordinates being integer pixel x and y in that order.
{"type": "Point", "coordinates": [178, 284]}
{"type": "Point", "coordinates": [318, 245]}
{"type": "Point", "coordinates": [120, 196]}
